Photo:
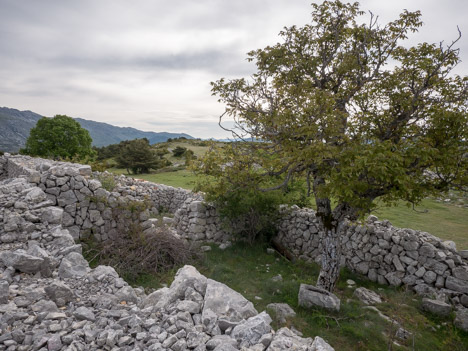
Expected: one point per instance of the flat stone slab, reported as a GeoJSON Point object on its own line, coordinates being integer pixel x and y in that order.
{"type": "Point", "coordinates": [437, 307]}
{"type": "Point", "coordinates": [311, 296]}
{"type": "Point", "coordinates": [367, 296]}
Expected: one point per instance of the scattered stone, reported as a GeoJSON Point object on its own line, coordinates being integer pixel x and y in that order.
{"type": "Point", "coordinates": [366, 296]}
{"type": "Point", "coordinates": [461, 319]}
{"type": "Point", "coordinates": [282, 311]}
{"type": "Point", "coordinates": [437, 307]}
{"type": "Point", "coordinates": [311, 296]}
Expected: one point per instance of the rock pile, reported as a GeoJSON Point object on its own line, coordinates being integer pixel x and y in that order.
{"type": "Point", "coordinates": [50, 299]}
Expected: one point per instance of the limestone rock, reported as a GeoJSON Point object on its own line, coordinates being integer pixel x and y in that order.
{"type": "Point", "coordinates": [4, 291]}
{"type": "Point", "coordinates": [249, 332]}
{"type": "Point", "coordinates": [282, 311]}
{"type": "Point", "coordinates": [227, 303]}
{"type": "Point", "coordinates": [311, 296]}
{"type": "Point", "coordinates": [461, 319]}
{"type": "Point", "coordinates": [60, 293]}
{"type": "Point", "coordinates": [321, 345]}
{"type": "Point", "coordinates": [52, 215]}
{"type": "Point", "coordinates": [21, 261]}
{"type": "Point", "coordinates": [366, 296]}
{"type": "Point", "coordinates": [437, 307]}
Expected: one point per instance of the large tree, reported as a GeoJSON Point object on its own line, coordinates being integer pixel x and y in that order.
{"type": "Point", "coordinates": [58, 137]}
{"type": "Point", "coordinates": [356, 113]}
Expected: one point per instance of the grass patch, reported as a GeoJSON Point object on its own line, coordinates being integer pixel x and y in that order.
{"type": "Point", "coordinates": [249, 269]}
{"type": "Point", "coordinates": [442, 220]}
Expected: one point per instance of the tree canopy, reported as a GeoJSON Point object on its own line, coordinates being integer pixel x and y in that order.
{"type": "Point", "coordinates": [353, 111]}
{"type": "Point", "coordinates": [58, 137]}
{"type": "Point", "coordinates": [137, 156]}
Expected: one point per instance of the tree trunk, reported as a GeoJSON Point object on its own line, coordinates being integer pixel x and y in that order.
{"type": "Point", "coordinates": [331, 257]}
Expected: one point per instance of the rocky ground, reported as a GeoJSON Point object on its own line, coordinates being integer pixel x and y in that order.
{"type": "Point", "coordinates": [50, 299]}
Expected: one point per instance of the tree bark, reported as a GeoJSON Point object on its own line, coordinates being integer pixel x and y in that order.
{"type": "Point", "coordinates": [331, 257]}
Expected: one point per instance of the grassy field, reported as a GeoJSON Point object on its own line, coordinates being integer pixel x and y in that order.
{"type": "Point", "coordinates": [440, 219]}
{"type": "Point", "coordinates": [249, 270]}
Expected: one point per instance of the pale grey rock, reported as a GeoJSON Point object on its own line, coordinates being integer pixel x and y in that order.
{"type": "Point", "coordinates": [285, 339]}
{"type": "Point", "coordinates": [21, 261]}
{"type": "Point", "coordinates": [461, 319]}
{"type": "Point", "coordinates": [227, 303]}
{"type": "Point", "coordinates": [60, 293]}
{"type": "Point", "coordinates": [70, 269]}
{"type": "Point", "coordinates": [83, 313]}
{"type": "Point", "coordinates": [463, 254]}
{"type": "Point", "coordinates": [188, 306]}
{"type": "Point", "coordinates": [221, 340]}
{"type": "Point", "coordinates": [366, 296]}
{"type": "Point", "coordinates": [67, 198]}
{"type": "Point", "coordinates": [127, 294]}
{"type": "Point", "coordinates": [35, 195]}
{"type": "Point", "coordinates": [282, 311]}
{"type": "Point", "coordinates": [155, 297]}
{"type": "Point", "coordinates": [394, 278]}
{"type": "Point", "coordinates": [449, 244]}
{"type": "Point", "coordinates": [52, 215]}
{"type": "Point", "coordinates": [437, 307]}
{"type": "Point", "coordinates": [311, 296]}
{"type": "Point", "coordinates": [456, 284]}
{"type": "Point", "coordinates": [248, 333]}
{"type": "Point", "coordinates": [4, 291]}
{"type": "Point", "coordinates": [321, 345]}
{"type": "Point", "coordinates": [460, 272]}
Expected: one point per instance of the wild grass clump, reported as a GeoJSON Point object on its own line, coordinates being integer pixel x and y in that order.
{"type": "Point", "coordinates": [107, 181]}
{"type": "Point", "coordinates": [135, 253]}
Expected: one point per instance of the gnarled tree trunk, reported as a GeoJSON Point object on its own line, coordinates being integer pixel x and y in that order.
{"type": "Point", "coordinates": [331, 257]}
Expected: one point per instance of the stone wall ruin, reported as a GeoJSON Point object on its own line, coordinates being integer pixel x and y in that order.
{"type": "Point", "coordinates": [50, 299]}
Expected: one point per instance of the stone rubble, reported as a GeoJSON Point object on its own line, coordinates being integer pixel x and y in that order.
{"type": "Point", "coordinates": [50, 299]}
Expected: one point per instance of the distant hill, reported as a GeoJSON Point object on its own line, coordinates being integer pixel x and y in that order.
{"type": "Point", "coordinates": [15, 126]}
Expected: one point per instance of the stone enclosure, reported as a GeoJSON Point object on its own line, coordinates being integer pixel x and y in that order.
{"type": "Point", "coordinates": [50, 299]}
{"type": "Point", "coordinates": [70, 196]}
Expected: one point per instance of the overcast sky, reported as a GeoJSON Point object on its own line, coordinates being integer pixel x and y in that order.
{"type": "Point", "coordinates": [148, 63]}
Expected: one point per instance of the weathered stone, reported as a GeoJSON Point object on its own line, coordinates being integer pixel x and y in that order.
{"type": "Point", "coordinates": [461, 319]}
{"type": "Point", "coordinates": [311, 296]}
{"type": "Point", "coordinates": [321, 345]}
{"type": "Point", "coordinates": [21, 261]}
{"type": "Point", "coordinates": [4, 291]}
{"type": "Point", "coordinates": [35, 195]}
{"type": "Point", "coordinates": [52, 215]}
{"type": "Point", "coordinates": [227, 303]}
{"type": "Point", "coordinates": [282, 311]}
{"type": "Point", "coordinates": [60, 293]}
{"type": "Point", "coordinates": [83, 313]}
{"type": "Point", "coordinates": [437, 307]}
{"type": "Point", "coordinates": [367, 296]}
{"type": "Point", "coordinates": [456, 284]}
{"type": "Point", "coordinates": [249, 332]}
{"type": "Point", "coordinates": [460, 272]}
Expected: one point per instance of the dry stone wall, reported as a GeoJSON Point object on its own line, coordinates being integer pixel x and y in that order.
{"type": "Point", "coordinates": [376, 249]}
{"type": "Point", "coordinates": [50, 299]}
{"type": "Point", "coordinates": [386, 254]}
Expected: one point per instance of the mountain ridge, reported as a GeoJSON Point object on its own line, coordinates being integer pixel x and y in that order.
{"type": "Point", "coordinates": [15, 126]}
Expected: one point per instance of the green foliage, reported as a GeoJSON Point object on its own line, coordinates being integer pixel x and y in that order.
{"type": "Point", "coordinates": [138, 157]}
{"type": "Point", "coordinates": [328, 105]}
{"type": "Point", "coordinates": [58, 137]}
{"type": "Point", "coordinates": [107, 181]}
{"type": "Point", "coordinates": [179, 151]}
{"type": "Point", "coordinates": [230, 178]}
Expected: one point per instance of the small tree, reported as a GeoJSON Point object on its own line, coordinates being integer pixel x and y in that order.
{"type": "Point", "coordinates": [354, 113]}
{"type": "Point", "coordinates": [179, 151]}
{"type": "Point", "coordinates": [58, 137]}
{"type": "Point", "coordinates": [138, 157]}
